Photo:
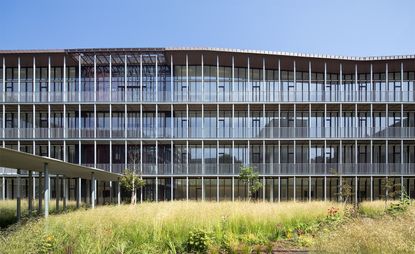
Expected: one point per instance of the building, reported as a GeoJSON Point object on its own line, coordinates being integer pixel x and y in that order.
{"type": "Point", "coordinates": [189, 118]}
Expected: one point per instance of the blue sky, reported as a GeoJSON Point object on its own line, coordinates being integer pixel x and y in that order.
{"type": "Point", "coordinates": [353, 27]}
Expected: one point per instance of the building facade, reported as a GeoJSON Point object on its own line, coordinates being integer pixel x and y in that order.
{"type": "Point", "coordinates": [189, 118]}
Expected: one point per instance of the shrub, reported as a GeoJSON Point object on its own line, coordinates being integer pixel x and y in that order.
{"type": "Point", "coordinates": [198, 241]}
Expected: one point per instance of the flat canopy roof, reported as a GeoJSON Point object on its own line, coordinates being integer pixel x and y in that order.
{"type": "Point", "coordinates": [19, 160]}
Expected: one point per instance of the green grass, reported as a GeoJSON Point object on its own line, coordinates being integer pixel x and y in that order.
{"type": "Point", "coordinates": [8, 210]}
{"type": "Point", "coordinates": [163, 227]}
{"type": "Point", "coordinates": [227, 227]}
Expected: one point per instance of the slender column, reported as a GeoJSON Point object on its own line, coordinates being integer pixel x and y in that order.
{"type": "Point", "coordinates": [57, 191]}
{"type": "Point", "coordinates": [18, 84]}
{"type": "Point", "coordinates": [79, 193]}
{"type": "Point", "coordinates": [65, 192]}
{"type": "Point", "coordinates": [356, 91]}
{"type": "Point", "coordinates": [309, 188]}
{"type": "Point", "coordinates": [4, 83]}
{"type": "Point", "coordinates": [3, 188]}
{"type": "Point", "coordinates": [157, 89]}
{"type": "Point", "coordinates": [79, 78]}
{"type": "Point", "coordinates": [340, 170]}
{"type": "Point", "coordinates": [279, 189]}
{"type": "Point", "coordinates": [46, 189]}
{"type": "Point", "coordinates": [172, 121]}
{"type": "Point", "coordinates": [93, 190]}
{"type": "Point", "coordinates": [110, 79]}
{"type": "Point", "coordinates": [172, 83]}
{"type": "Point", "coordinates": [18, 198]}
{"type": "Point", "coordinates": [118, 192]}
{"type": "Point", "coordinates": [39, 206]}
{"type": "Point", "coordinates": [30, 192]}
{"type": "Point", "coordinates": [217, 189]}
{"type": "Point", "coordinates": [355, 190]}
{"type": "Point", "coordinates": [263, 157]}
{"type": "Point", "coordinates": [387, 137]}
{"type": "Point", "coordinates": [95, 78]}
{"type": "Point", "coordinates": [371, 188]}
{"type": "Point", "coordinates": [233, 157]}
{"type": "Point", "coordinates": [263, 188]}
{"type": "Point", "coordinates": [187, 188]}
{"type": "Point", "coordinates": [217, 157]}
{"type": "Point", "coordinates": [401, 135]}
{"type": "Point", "coordinates": [203, 187]}
{"type": "Point", "coordinates": [141, 78]}
{"type": "Point", "coordinates": [294, 191]}
{"type": "Point", "coordinates": [279, 157]}
{"type": "Point", "coordinates": [187, 78]}
{"type": "Point", "coordinates": [233, 188]}
{"type": "Point", "coordinates": [171, 189]}
{"type": "Point", "coordinates": [325, 188]}
{"type": "Point", "coordinates": [18, 125]}
{"type": "Point", "coordinates": [372, 93]}
{"type": "Point", "coordinates": [125, 79]}
{"type": "Point", "coordinates": [172, 158]}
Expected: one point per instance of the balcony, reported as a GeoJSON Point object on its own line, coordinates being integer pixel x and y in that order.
{"type": "Point", "coordinates": [269, 169]}
{"type": "Point", "coordinates": [213, 133]}
{"type": "Point", "coordinates": [235, 96]}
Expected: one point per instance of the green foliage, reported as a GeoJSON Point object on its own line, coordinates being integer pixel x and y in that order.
{"type": "Point", "coordinates": [46, 244]}
{"type": "Point", "coordinates": [251, 179]}
{"type": "Point", "coordinates": [198, 241]}
{"type": "Point", "coordinates": [131, 180]}
{"type": "Point", "coordinates": [345, 191]}
{"type": "Point", "coordinates": [390, 189]}
{"type": "Point", "coordinates": [401, 206]}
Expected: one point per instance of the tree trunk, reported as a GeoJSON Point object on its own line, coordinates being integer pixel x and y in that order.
{"type": "Point", "coordinates": [134, 194]}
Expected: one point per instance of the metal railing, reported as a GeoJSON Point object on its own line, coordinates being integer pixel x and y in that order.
{"type": "Point", "coordinates": [222, 96]}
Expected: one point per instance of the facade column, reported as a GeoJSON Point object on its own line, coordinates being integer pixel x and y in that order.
{"type": "Point", "coordinates": [57, 191]}
{"type": "Point", "coordinates": [18, 197]}
{"type": "Point", "coordinates": [325, 188]}
{"type": "Point", "coordinates": [79, 193]}
{"type": "Point", "coordinates": [3, 188]}
{"type": "Point", "coordinates": [46, 189]}
{"type": "Point", "coordinates": [40, 192]}
{"type": "Point", "coordinates": [118, 192]}
{"type": "Point", "coordinates": [65, 186]}
{"type": "Point", "coordinates": [371, 188]}
{"type": "Point", "coordinates": [93, 190]}
{"type": "Point", "coordinates": [30, 193]}
{"type": "Point", "coordinates": [356, 190]}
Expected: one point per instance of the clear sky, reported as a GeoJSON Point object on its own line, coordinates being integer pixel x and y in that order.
{"type": "Point", "coordinates": [352, 27]}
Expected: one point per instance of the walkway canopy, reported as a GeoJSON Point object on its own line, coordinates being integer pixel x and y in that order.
{"type": "Point", "coordinates": [10, 158]}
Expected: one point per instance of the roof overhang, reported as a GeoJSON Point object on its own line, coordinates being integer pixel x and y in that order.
{"type": "Point", "coordinates": [10, 158]}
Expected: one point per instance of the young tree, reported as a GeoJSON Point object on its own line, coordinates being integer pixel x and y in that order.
{"type": "Point", "coordinates": [390, 189]}
{"type": "Point", "coordinates": [131, 180]}
{"type": "Point", "coordinates": [345, 191]}
{"type": "Point", "coordinates": [251, 180]}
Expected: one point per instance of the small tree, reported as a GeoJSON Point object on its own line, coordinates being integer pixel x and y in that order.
{"type": "Point", "coordinates": [131, 180]}
{"type": "Point", "coordinates": [251, 180]}
{"type": "Point", "coordinates": [345, 191]}
{"type": "Point", "coordinates": [390, 189]}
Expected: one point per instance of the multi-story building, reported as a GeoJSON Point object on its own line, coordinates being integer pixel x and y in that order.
{"type": "Point", "coordinates": [189, 118]}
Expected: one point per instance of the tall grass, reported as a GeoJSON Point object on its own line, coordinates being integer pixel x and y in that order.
{"type": "Point", "coordinates": [161, 227]}
{"type": "Point", "coordinates": [8, 210]}
{"type": "Point", "coordinates": [386, 234]}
